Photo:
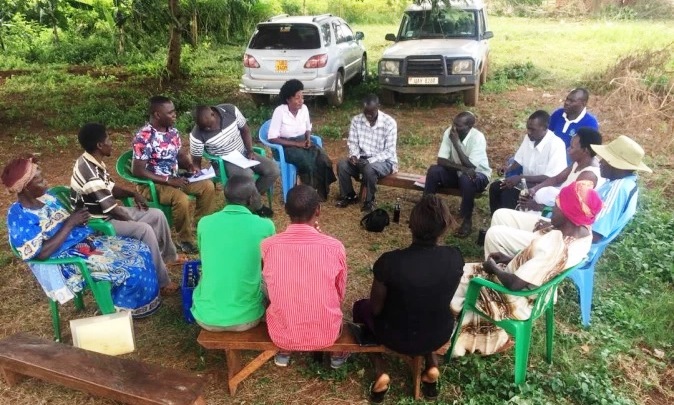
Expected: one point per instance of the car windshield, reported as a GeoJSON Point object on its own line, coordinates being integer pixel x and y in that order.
{"type": "Point", "coordinates": [286, 36]}
{"type": "Point", "coordinates": [443, 23]}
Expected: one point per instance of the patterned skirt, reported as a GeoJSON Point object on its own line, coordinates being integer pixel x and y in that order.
{"type": "Point", "coordinates": [125, 262]}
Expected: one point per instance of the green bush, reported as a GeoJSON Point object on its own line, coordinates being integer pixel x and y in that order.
{"type": "Point", "coordinates": [505, 77]}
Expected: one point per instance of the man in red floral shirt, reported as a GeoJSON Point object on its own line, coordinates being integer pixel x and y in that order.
{"type": "Point", "coordinates": [157, 155]}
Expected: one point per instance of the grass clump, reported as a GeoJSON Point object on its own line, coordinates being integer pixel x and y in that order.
{"type": "Point", "coordinates": [507, 77]}
{"type": "Point", "coordinates": [640, 77]}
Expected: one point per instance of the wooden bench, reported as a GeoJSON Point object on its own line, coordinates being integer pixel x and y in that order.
{"type": "Point", "coordinates": [123, 380]}
{"type": "Point", "coordinates": [257, 339]}
{"type": "Point", "coordinates": [406, 181]}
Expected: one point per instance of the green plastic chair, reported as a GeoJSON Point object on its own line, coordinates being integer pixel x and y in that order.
{"type": "Point", "coordinates": [101, 290]}
{"type": "Point", "coordinates": [520, 330]}
{"type": "Point", "coordinates": [62, 194]}
{"type": "Point", "coordinates": [222, 178]}
{"type": "Point", "coordinates": [123, 167]}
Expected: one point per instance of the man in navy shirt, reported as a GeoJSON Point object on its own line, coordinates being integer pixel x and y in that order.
{"type": "Point", "coordinates": [564, 122]}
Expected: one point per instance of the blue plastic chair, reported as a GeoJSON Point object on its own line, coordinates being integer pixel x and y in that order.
{"type": "Point", "coordinates": [288, 170]}
{"type": "Point", "coordinates": [583, 276]}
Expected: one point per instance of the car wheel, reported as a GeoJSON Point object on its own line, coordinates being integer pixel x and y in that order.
{"type": "Point", "coordinates": [336, 97]}
{"type": "Point", "coordinates": [388, 97]}
{"type": "Point", "coordinates": [485, 70]}
{"type": "Point", "coordinates": [260, 99]}
{"type": "Point", "coordinates": [362, 75]}
{"type": "Point", "coordinates": [470, 96]}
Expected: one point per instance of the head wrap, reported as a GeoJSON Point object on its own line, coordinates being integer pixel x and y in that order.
{"type": "Point", "coordinates": [579, 202]}
{"type": "Point", "coordinates": [18, 173]}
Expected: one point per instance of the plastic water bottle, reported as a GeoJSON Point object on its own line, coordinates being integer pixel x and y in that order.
{"type": "Point", "coordinates": [396, 211]}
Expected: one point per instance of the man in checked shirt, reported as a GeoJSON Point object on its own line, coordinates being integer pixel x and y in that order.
{"type": "Point", "coordinates": [372, 153]}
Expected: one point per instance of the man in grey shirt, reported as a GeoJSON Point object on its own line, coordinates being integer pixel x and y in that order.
{"type": "Point", "coordinates": [222, 129]}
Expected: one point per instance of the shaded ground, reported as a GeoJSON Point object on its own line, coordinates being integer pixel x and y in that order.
{"type": "Point", "coordinates": [166, 340]}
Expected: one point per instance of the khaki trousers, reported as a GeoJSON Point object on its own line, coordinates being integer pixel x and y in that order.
{"type": "Point", "coordinates": [177, 198]}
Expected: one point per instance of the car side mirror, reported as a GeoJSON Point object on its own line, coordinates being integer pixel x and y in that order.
{"type": "Point", "coordinates": [359, 35]}
{"type": "Point", "coordinates": [488, 35]}
{"type": "Point", "coordinates": [390, 37]}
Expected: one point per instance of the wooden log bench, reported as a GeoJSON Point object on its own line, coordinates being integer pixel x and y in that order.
{"type": "Point", "coordinates": [122, 380]}
{"type": "Point", "coordinates": [257, 339]}
{"type": "Point", "coordinates": [406, 181]}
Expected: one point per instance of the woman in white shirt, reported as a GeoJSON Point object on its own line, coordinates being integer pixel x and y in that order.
{"type": "Point", "coordinates": [584, 167]}
{"type": "Point", "coordinates": [290, 127]}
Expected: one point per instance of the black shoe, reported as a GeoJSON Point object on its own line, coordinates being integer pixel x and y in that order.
{"type": "Point", "coordinates": [265, 212]}
{"type": "Point", "coordinates": [346, 201]}
{"type": "Point", "coordinates": [430, 390]}
{"type": "Point", "coordinates": [187, 247]}
{"type": "Point", "coordinates": [368, 207]}
{"type": "Point", "coordinates": [465, 229]}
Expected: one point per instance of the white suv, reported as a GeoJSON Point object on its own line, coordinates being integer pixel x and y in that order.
{"type": "Point", "coordinates": [321, 51]}
{"type": "Point", "coordinates": [441, 49]}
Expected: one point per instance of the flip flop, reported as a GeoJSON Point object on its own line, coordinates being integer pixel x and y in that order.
{"type": "Point", "coordinates": [430, 390]}
{"type": "Point", "coordinates": [170, 289]}
{"type": "Point", "coordinates": [378, 397]}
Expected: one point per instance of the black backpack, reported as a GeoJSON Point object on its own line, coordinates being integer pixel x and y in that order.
{"type": "Point", "coordinates": [375, 221]}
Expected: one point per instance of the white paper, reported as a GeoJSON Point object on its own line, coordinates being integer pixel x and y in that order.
{"type": "Point", "coordinates": [238, 159]}
{"type": "Point", "coordinates": [203, 174]}
{"type": "Point", "coordinates": [421, 182]}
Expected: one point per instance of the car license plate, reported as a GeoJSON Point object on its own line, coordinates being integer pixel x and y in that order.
{"type": "Point", "coordinates": [281, 65]}
{"type": "Point", "coordinates": [422, 80]}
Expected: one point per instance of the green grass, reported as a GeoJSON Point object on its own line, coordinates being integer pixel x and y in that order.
{"type": "Point", "coordinates": [634, 296]}
{"type": "Point", "coordinates": [565, 50]}
{"type": "Point", "coordinates": [543, 52]}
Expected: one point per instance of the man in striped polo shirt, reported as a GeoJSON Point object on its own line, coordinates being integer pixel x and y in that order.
{"type": "Point", "coordinates": [93, 188]}
{"type": "Point", "coordinates": [304, 272]}
{"type": "Point", "coordinates": [222, 129]}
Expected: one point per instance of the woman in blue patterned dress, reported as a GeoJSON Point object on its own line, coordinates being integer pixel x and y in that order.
{"type": "Point", "coordinates": [41, 228]}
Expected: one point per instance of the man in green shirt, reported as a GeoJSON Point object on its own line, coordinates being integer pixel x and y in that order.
{"type": "Point", "coordinates": [228, 296]}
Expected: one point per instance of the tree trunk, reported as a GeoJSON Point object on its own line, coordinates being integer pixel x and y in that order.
{"type": "Point", "coordinates": [174, 48]}
{"type": "Point", "coordinates": [55, 31]}
{"type": "Point", "coordinates": [53, 6]}
{"type": "Point", "coordinates": [195, 28]}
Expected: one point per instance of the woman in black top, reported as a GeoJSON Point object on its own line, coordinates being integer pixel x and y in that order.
{"type": "Point", "coordinates": [409, 305]}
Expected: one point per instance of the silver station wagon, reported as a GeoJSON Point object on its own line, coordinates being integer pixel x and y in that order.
{"type": "Point", "coordinates": [321, 51]}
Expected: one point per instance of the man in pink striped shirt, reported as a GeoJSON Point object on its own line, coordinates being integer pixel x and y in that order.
{"type": "Point", "coordinates": [304, 272]}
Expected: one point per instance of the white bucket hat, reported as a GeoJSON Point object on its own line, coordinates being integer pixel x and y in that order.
{"type": "Point", "coordinates": [623, 153]}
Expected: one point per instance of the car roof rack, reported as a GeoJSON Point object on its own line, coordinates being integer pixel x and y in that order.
{"type": "Point", "coordinates": [277, 16]}
{"type": "Point", "coordinates": [321, 17]}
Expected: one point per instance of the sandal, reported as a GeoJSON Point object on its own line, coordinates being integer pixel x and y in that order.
{"type": "Point", "coordinates": [170, 289]}
{"type": "Point", "coordinates": [430, 390]}
{"type": "Point", "coordinates": [378, 397]}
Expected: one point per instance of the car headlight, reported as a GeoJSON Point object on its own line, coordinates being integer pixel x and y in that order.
{"type": "Point", "coordinates": [389, 67]}
{"type": "Point", "coordinates": [462, 67]}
